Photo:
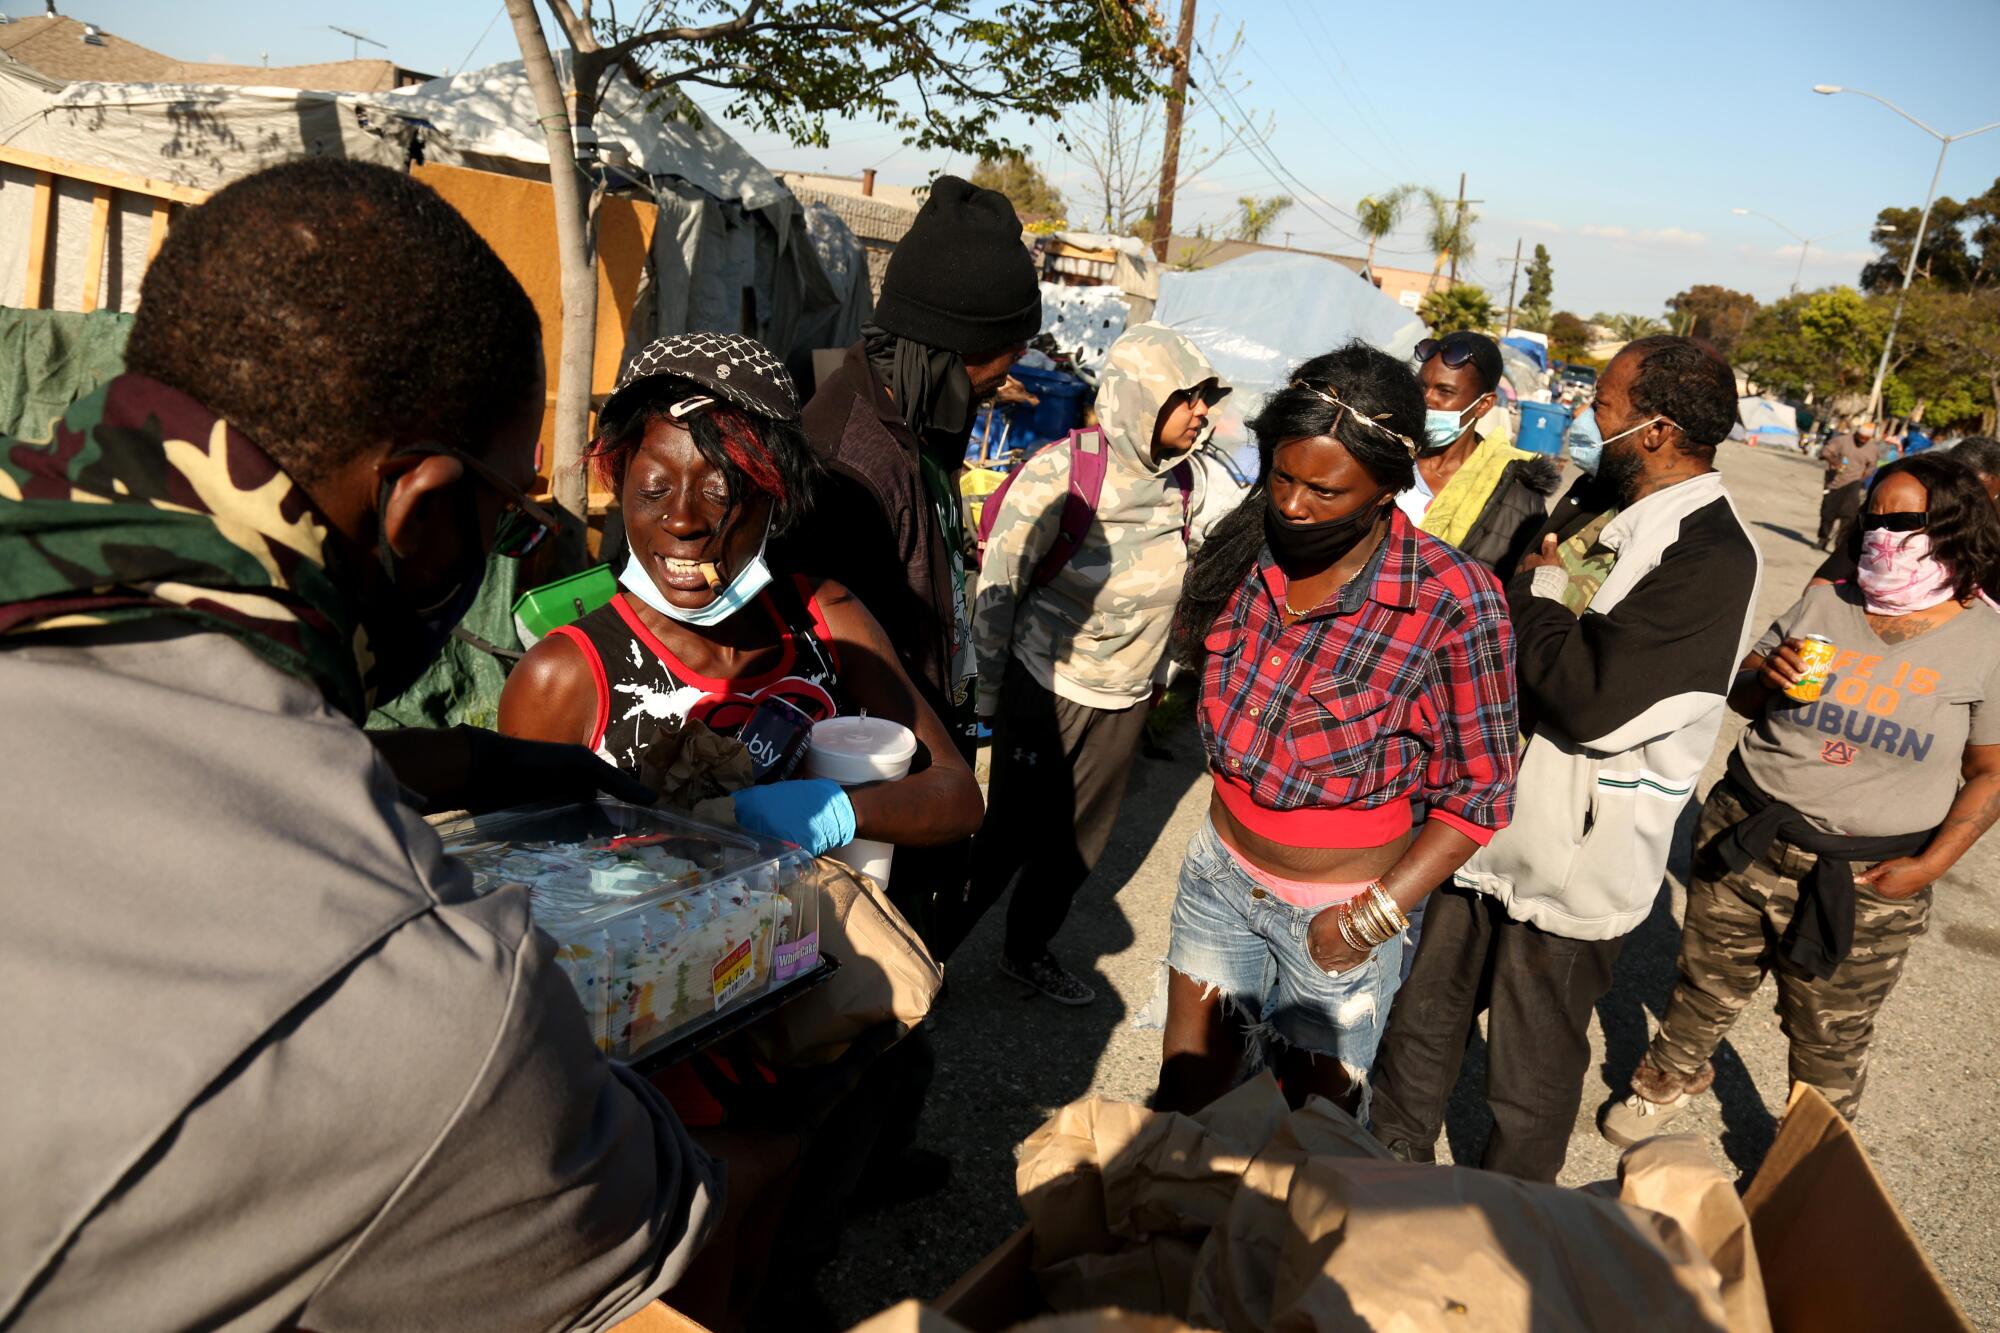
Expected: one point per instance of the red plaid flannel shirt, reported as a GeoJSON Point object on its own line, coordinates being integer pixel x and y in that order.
{"type": "Point", "coordinates": [1399, 688]}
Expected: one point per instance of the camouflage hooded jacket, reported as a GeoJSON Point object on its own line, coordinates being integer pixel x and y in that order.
{"type": "Point", "coordinates": [146, 504]}
{"type": "Point", "coordinates": [1096, 634]}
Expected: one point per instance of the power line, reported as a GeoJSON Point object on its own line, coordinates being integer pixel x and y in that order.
{"type": "Point", "coordinates": [1368, 119]}
{"type": "Point", "coordinates": [1330, 132]}
{"type": "Point", "coordinates": [1261, 149]}
{"type": "Point", "coordinates": [466, 63]}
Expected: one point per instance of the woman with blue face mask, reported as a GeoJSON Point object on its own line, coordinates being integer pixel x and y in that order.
{"type": "Point", "coordinates": [1475, 492]}
{"type": "Point", "coordinates": [702, 446]}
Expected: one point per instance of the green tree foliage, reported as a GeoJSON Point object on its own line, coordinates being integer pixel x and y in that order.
{"type": "Point", "coordinates": [1717, 314]}
{"type": "Point", "coordinates": [1569, 336]}
{"type": "Point", "coordinates": [1629, 328]}
{"type": "Point", "coordinates": [1448, 231]}
{"type": "Point", "coordinates": [1541, 281]}
{"type": "Point", "coordinates": [1015, 175]}
{"type": "Point", "coordinates": [1461, 306]}
{"type": "Point", "coordinates": [1947, 356]}
{"type": "Point", "coordinates": [1255, 217]}
{"type": "Point", "coordinates": [1961, 244]}
{"type": "Point", "coordinates": [1378, 215]}
{"type": "Point", "coordinates": [1822, 343]}
{"type": "Point", "coordinates": [939, 71]}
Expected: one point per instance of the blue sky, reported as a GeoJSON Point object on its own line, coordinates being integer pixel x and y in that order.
{"type": "Point", "coordinates": [1619, 135]}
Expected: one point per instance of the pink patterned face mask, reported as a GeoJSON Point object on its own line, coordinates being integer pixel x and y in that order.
{"type": "Point", "coordinates": [1900, 575]}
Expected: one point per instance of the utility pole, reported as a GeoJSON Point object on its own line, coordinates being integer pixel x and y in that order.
{"type": "Point", "coordinates": [1511, 283]}
{"type": "Point", "coordinates": [1170, 164]}
{"type": "Point", "coordinates": [1457, 228]}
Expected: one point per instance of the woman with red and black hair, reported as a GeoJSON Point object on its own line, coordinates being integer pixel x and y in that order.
{"type": "Point", "coordinates": [701, 443]}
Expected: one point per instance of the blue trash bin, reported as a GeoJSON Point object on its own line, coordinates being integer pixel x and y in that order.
{"type": "Point", "coordinates": [1543, 426]}
{"type": "Point", "coordinates": [1064, 398]}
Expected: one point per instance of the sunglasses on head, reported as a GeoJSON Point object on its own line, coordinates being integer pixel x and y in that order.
{"type": "Point", "coordinates": [1906, 521]}
{"type": "Point", "coordinates": [523, 525]}
{"type": "Point", "coordinates": [1453, 354]}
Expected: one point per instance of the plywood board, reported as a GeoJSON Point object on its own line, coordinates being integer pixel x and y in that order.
{"type": "Point", "coordinates": [517, 217]}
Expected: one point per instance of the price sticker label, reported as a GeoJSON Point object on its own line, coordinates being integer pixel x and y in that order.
{"type": "Point", "coordinates": [733, 974]}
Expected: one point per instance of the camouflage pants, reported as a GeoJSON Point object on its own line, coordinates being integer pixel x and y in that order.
{"type": "Point", "coordinates": [1729, 942]}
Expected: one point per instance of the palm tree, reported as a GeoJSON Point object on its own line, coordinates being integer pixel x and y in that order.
{"type": "Point", "coordinates": [1256, 216]}
{"type": "Point", "coordinates": [1631, 328]}
{"type": "Point", "coordinates": [1378, 216]}
{"type": "Point", "coordinates": [1449, 233]}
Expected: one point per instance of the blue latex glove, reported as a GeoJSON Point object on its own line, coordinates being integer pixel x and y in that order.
{"type": "Point", "coordinates": [814, 813]}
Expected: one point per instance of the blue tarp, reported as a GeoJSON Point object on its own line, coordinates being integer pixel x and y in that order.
{"type": "Point", "coordinates": [1530, 348]}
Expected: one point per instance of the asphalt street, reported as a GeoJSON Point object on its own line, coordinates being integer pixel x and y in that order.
{"type": "Point", "coordinates": [1006, 1058]}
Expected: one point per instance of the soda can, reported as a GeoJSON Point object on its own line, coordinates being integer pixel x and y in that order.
{"type": "Point", "coordinates": [777, 734]}
{"type": "Point", "coordinates": [1817, 652]}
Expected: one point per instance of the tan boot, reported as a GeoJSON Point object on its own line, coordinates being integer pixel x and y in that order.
{"type": "Point", "coordinates": [1657, 1097]}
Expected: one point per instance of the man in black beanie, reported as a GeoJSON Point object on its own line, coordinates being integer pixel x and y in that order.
{"type": "Point", "coordinates": [959, 303]}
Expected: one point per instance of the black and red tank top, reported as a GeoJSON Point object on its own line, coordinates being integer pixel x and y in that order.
{"type": "Point", "coordinates": [642, 685]}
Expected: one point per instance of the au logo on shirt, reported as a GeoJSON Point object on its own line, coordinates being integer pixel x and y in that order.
{"type": "Point", "coordinates": [1837, 752]}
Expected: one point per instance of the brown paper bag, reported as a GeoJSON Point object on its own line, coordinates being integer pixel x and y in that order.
{"type": "Point", "coordinates": [886, 975]}
{"type": "Point", "coordinates": [1150, 1276]}
{"type": "Point", "coordinates": [909, 1317]}
{"type": "Point", "coordinates": [1101, 1170]}
{"type": "Point", "coordinates": [1238, 1263]}
{"type": "Point", "coordinates": [1060, 1175]}
{"type": "Point", "coordinates": [913, 1317]}
{"type": "Point", "coordinates": [1182, 1173]}
{"type": "Point", "coordinates": [689, 764]}
{"type": "Point", "coordinates": [1674, 1175]}
{"type": "Point", "coordinates": [1399, 1248]}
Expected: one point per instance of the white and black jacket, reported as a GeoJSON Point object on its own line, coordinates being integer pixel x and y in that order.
{"type": "Point", "coordinates": [1626, 703]}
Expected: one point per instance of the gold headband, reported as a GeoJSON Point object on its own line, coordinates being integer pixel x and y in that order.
{"type": "Point", "coordinates": [1328, 395]}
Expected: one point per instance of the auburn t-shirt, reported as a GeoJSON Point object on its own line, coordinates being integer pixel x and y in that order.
{"type": "Point", "coordinates": [1878, 754]}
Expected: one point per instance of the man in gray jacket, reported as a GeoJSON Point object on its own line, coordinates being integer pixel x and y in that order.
{"type": "Point", "coordinates": [1629, 622]}
{"type": "Point", "coordinates": [269, 1063]}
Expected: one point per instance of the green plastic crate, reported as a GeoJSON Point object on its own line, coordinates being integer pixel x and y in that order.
{"type": "Point", "coordinates": [539, 610]}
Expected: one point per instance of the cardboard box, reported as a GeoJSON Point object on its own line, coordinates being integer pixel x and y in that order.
{"type": "Point", "coordinates": [659, 1317]}
{"type": "Point", "coordinates": [1835, 1253]}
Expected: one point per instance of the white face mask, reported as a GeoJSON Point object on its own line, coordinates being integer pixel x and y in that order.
{"type": "Point", "coordinates": [731, 597]}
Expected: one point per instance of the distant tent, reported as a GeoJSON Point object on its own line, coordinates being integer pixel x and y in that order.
{"type": "Point", "coordinates": [1538, 352]}
{"type": "Point", "coordinates": [1258, 316]}
{"type": "Point", "coordinates": [1766, 421]}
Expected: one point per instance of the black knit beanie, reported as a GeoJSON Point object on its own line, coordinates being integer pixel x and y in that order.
{"type": "Point", "coordinates": [960, 278]}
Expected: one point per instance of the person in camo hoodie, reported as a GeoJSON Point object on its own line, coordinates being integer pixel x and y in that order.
{"type": "Point", "coordinates": [1069, 663]}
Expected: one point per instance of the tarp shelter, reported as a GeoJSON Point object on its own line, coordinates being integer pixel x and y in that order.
{"type": "Point", "coordinates": [729, 248]}
{"type": "Point", "coordinates": [1766, 421]}
{"type": "Point", "coordinates": [1535, 347]}
{"type": "Point", "coordinates": [1522, 373]}
{"type": "Point", "coordinates": [1258, 316]}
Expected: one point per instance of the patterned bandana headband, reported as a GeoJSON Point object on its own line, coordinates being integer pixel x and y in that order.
{"type": "Point", "coordinates": [1329, 396]}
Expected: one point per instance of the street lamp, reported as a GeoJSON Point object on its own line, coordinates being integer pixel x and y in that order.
{"type": "Point", "coordinates": [1805, 242]}
{"type": "Point", "coordinates": [1945, 141]}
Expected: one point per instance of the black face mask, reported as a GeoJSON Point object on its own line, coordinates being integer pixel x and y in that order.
{"type": "Point", "coordinates": [406, 639]}
{"type": "Point", "coordinates": [1318, 544]}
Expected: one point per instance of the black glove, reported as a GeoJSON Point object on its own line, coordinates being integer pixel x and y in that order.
{"type": "Point", "coordinates": [503, 771]}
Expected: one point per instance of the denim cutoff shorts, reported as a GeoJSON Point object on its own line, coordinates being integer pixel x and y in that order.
{"type": "Point", "coordinates": [1237, 937]}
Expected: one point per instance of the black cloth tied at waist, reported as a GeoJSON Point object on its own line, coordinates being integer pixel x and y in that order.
{"type": "Point", "coordinates": [1822, 930]}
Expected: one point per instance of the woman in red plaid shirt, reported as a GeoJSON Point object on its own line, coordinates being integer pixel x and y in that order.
{"type": "Point", "coordinates": [1357, 707]}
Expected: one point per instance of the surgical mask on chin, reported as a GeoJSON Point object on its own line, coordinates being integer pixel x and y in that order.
{"type": "Point", "coordinates": [1586, 443]}
{"type": "Point", "coordinates": [1900, 575]}
{"type": "Point", "coordinates": [1442, 428]}
{"type": "Point", "coordinates": [731, 597]}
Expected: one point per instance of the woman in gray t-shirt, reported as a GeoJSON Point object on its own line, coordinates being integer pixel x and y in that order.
{"type": "Point", "coordinates": [1816, 853]}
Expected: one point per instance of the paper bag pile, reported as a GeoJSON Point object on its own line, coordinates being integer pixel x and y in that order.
{"type": "Point", "coordinates": [1251, 1216]}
